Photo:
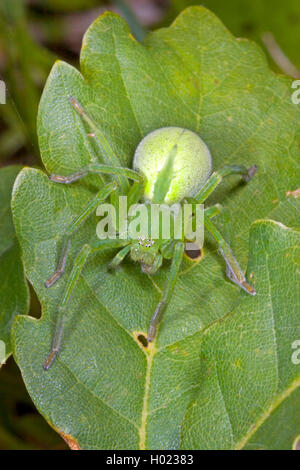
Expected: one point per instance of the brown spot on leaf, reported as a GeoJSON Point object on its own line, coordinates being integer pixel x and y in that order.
{"type": "Point", "coordinates": [141, 339]}
{"type": "Point", "coordinates": [194, 253]}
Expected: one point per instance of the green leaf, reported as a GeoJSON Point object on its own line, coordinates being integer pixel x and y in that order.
{"type": "Point", "coordinates": [104, 390]}
{"type": "Point", "coordinates": [247, 369]}
{"type": "Point", "coordinates": [281, 429]}
{"type": "Point", "coordinates": [254, 18]}
{"type": "Point", "coordinates": [14, 295]}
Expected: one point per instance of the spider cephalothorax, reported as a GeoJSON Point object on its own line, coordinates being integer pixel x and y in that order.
{"type": "Point", "coordinates": [171, 166]}
{"type": "Point", "coordinates": [146, 252]}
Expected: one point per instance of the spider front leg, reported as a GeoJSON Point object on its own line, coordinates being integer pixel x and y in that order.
{"type": "Point", "coordinates": [233, 270]}
{"type": "Point", "coordinates": [117, 260]}
{"type": "Point", "coordinates": [75, 273]}
{"type": "Point", "coordinates": [167, 292]}
{"type": "Point", "coordinates": [98, 168]}
{"type": "Point", "coordinates": [214, 210]}
{"type": "Point", "coordinates": [90, 207]}
{"type": "Point", "coordinates": [113, 168]}
{"type": "Point", "coordinates": [109, 154]}
{"type": "Point", "coordinates": [217, 176]}
{"type": "Point", "coordinates": [72, 280]}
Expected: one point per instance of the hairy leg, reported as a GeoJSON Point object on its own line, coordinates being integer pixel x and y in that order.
{"type": "Point", "coordinates": [97, 168]}
{"type": "Point", "coordinates": [90, 207]}
{"type": "Point", "coordinates": [72, 280]}
{"type": "Point", "coordinates": [167, 292]}
{"type": "Point", "coordinates": [75, 273]}
{"type": "Point", "coordinates": [117, 260]}
{"type": "Point", "coordinates": [217, 176]}
{"type": "Point", "coordinates": [233, 270]}
{"type": "Point", "coordinates": [214, 210]}
{"type": "Point", "coordinates": [109, 154]}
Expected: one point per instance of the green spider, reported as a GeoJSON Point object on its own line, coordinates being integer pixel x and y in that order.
{"type": "Point", "coordinates": [171, 165]}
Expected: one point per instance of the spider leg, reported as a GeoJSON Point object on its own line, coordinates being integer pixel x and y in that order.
{"type": "Point", "coordinates": [233, 270]}
{"type": "Point", "coordinates": [114, 167]}
{"type": "Point", "coordinates": [104, 143]}
{"type": "Point", "coordinates": [120, 172]}
{"type": "Point", "coordinates": [72, 280]}
{"type": "Point", "coordinates": [117, 260]}
{"type": "Point", "coordinates": [168, 289]}
{"type": "Point", "coordinates": [61, 264]}
{"type": "Point", "coordinates": [218, 209]}
{"type": "Point", "coordinates": [110, 155]}
{"type": "Point", "coordinates": [217, 176]}
{"type": "Point", "coordinates": [108, 243]}
{"type": "Point", "coordinates": [167, 249]}
{"type": "Point", "coordinates": [214, 210]}
{"type": "Point", "coordinates": [90, 207]}
{"type": "Point", "coordinates": [133, 196]}
{"type": "Point", "coordinates": [135, 193]}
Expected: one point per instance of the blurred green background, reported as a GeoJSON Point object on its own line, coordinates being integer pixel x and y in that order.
{"type": "Point", "coordinates": [33, 34]}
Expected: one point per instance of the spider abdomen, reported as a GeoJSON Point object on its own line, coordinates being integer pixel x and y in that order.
{"type": "Point", "coordinates": [176, 163]}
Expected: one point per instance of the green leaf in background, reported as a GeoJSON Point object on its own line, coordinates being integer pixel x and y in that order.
{"type": "Point", "coordinates": [66, 5]}
{"type": "Point", "coordinates": [105, 390]}
{"type": "Point", "coordinates": [14, 295]}
{"type": "Point", "coordinates": [24, 68]}
{"type": "Point", "coordinates": [253, 18]}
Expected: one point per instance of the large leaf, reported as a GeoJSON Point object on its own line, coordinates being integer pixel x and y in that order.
{"type": "Point", "coordinates": [14, 296]}
{"type": "Point", "coordinates": [254, 18]}
{"type": "Point", "coordinates": [104, 390]}
{"type": "Point", "coordinates": [281, 428]}
{"type": "Point", "coordinates": [247, 369]}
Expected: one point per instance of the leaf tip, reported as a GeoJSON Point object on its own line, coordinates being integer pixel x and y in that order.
{"type": "Point", "coordinates": [70, 440]}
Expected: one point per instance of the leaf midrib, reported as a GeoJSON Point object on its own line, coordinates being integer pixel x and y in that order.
{"type": "Point", "coordinates": [145, 412]}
